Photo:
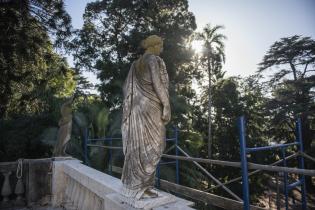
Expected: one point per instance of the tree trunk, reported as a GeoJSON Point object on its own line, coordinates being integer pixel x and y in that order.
{"type": "Point", "coordinates": [293, 70]}
{"type": "Point", "coordinates": [209, 111]}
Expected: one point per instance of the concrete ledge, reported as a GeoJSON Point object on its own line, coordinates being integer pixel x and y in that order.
{"type": "Point", "coordinates": [96, 181]}
{"type": "Point", "coordinates": [82, 188]}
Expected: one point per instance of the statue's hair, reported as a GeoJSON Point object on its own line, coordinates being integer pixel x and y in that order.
{"type": "Point", "coordinates": [151, 41]}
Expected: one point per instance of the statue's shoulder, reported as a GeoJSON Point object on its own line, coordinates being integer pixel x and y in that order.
{"type": "Point", "coordinates": [160, 60]}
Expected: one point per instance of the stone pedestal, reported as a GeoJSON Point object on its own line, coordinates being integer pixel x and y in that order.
{"type": "Point", "coordinates": [116, 201]}
{"type": "Point", "coordinates": [145, 203]}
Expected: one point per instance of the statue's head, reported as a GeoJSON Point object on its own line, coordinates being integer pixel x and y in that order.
{"type": "Point", "coordinates": [153, 44]}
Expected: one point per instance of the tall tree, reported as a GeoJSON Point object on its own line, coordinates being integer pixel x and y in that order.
{"type": "Point", "coordinates": [50, 16]}
{"type": "Point", "coordinates": [293, 85]}
{"type": "Point", "coordinates": [27, 59]}
{"type": "Point", "coordinates": [295, 56]}
{"type": "Point", "coordinates": [292, 80]}
{"type": "Point", "coordinates": [111, 34]}
{"type": "Point", "coordinates": [212, 60]}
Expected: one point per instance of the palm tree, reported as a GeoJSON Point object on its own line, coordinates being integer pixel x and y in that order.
{"type": "Point", "coordinates": [212, 59]}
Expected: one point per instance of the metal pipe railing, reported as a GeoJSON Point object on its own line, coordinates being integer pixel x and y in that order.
{"type": "Point", "coordinates": [276, 146]}
{"type": "Point", "coordinates": [254, 172]}
{"type": "Point", "coordinates": [212, 177]}
{"type": "Point", "coordinates": [244, 164]}
{"type": "Point", "coordinates": [306, 172]}
{"type": "Point", "coordinates": [301, 160]}
{"type": "Point", "coordinates": [287, 186]}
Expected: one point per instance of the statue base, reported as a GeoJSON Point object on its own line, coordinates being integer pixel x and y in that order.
{"type": "Point", "coordinates": [144, 203]}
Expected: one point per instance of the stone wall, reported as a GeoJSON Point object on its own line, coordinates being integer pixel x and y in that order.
{"type": "Point", "coordinates": [67, 183]}
{"type": "Point", "coordinates": [76, 186]}
{"type": "Point", "coordinates": [34, 186]}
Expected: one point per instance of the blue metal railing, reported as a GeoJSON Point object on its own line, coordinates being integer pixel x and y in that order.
{"type": "Point", "coordinates": [87, 142]}
{"type": "Point", "coordinates": [245, 184]}
{"type": "Point", "coordinates": [276, 146]}
{"type": "Point", "coordinates": [244, 150]}
{"type": "Point", "coordinates": [301, 160]}
{"type": "Point", "coordinates": [175, 140]}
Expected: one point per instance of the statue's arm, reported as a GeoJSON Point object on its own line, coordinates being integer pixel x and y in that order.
{"type": "Point", "coordinates": [159, 89]}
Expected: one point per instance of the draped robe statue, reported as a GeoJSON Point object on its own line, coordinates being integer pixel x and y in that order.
{"type": "Point", "coordinates": [146, 110]}
{"type": "Point", "coordinates": [65, 127]}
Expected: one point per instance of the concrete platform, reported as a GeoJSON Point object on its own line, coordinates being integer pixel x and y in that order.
{"type": "Point", "coordinates": [82, 187]}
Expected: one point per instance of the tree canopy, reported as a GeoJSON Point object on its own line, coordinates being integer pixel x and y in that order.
{"type": "Point", "coordinates": [211, 61]}
{"type": "Point", "coordinates": [295, 55]}
{"type": "Point", "coordinates": [111, 34]}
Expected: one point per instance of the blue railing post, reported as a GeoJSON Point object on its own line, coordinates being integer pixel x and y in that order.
{"type": "Point", "coordinates": [110, 156]}
{"type": "Point", "coordinates": [158, 176]}
{"type": "Point", "coordinates": [176, 153]}
{"type": "Point", "coordinates": [85, 141]}
{"type": "Point", "coordinates": [245, 185]}
{"type": "Point", "coordinates": [285, 180]}
{"type": "Point", "coordinates": [299, 139]}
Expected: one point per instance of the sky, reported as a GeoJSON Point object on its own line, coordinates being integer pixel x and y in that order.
{"type": "Point", "coordinates": [251, 26]}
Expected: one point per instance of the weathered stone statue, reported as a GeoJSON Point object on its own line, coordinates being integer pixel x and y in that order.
{"type": "Point", "coordinates": [146, 111]}
{"type": "Point", "coordinates": [65, 127]}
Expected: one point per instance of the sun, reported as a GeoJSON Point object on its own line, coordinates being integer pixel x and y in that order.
{"type": "Point", "coordinates": [197, 46]}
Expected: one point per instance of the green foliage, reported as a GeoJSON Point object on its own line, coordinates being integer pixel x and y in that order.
{"type": "Point", "coordinates": [63, 85]}
{"type": "Point", "coordinates": [226, 102]}
{"type": "Point", "coordinates": [210, 64]}
{"type": "Point", "coordinates": [213, 56]}
{"type": "Point", "coordinates": [21, 138]}
{"type": "Point", "coordinates": [94, 116]}
{"type": "Point", "coordinates": [292, 90]}
{"type": "Point", "coordinates": [190, 175]}
{"type": "Point", "coordinates": [30, 72]}
{"type": "Point", "coordinates": [191, 140]}
{"type": "Point", "coordinates": [294, 55]}
{"type": "Point", "coordinates": [111, 34]}
{"type": "Point", "coordinates": [49, 15]}
{"type": "Point", "coordinates": [33, 81]}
